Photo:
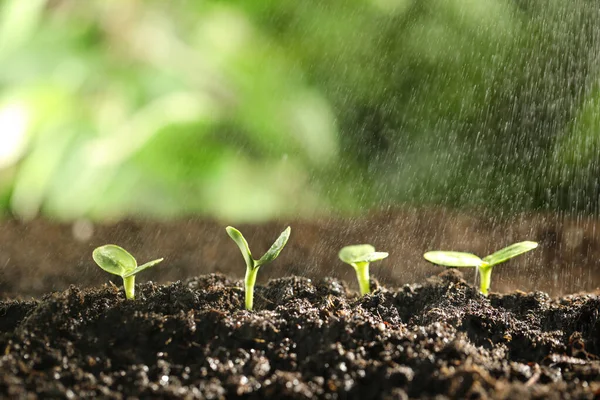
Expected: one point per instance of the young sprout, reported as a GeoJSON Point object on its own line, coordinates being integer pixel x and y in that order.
{"type": "Point", "coordinates": [253, 265]}
{"type": "Point", "coordinates": [359, 257]}
{"type": "Point", "coordinates": [118, 261]}
{"type": "Point", "coordinates": [484, 266]}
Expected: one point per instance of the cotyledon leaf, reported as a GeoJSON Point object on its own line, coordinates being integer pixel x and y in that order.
{"type": "Point", "coordinates": [114, 259]}
{"type": "Point", "coordinates": [453, 258]}
{"type": "Point", "coordinates": [377, 256]}
{"type": "Point", "coordinates": [356, 253]}
{"type": "Point", "coordinates": [509, 252]}
{"type": "Point", "coordinates": [276, 248]}
{"type": "Point", "coordinates": [143, 267]}
{"type": "Point", "coordinates": [239, 239]}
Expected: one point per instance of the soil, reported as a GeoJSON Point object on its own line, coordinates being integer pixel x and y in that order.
{"type": "Point", "coordinates": [306, 339]}
{"type": "Point", "coordinates": [40, 256]}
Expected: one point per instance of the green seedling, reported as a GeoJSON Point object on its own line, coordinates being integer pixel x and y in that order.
{"type": "Point", "coordinates": [252, 265]}
{"type": "Point", "coordinates": [359, 257]}
{"type": "Point", "coordinates": [118, 261]}
{"type": "Point", "coordinates": [484, 266]}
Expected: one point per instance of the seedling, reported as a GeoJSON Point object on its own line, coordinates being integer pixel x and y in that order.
{"type": "Point", "coordinates": [117, 261]}
{"type": "Point", "coordinates": [359, 257]}
{"type": "Point", "coordinates": [253, 265]}
{"type": "Point", "coordinates": [484, 266]}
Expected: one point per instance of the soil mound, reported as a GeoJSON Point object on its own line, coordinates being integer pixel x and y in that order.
{"type": "Point", "coordinates": [306, 339]}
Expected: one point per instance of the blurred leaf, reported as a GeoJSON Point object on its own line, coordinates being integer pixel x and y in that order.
{"type": "Point", "coordinates": [18, 22]}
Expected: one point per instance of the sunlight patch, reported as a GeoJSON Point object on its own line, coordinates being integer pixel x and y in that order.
{"type": "Point", "coordinates": [14, 121]}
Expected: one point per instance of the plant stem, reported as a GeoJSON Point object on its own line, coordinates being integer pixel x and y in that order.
{"type": "Point", "coordinates": [129, 285]}
{"type": "Point", "coordinates": [485, 274]}
{"type": "Point", "coordinates": [249, 282]}
{"type": "Point", "coordinates": [362, 274]}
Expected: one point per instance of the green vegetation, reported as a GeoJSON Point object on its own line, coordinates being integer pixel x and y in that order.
{"type": "Point", "coordinates": [118, 261]}
{"type": "Point", "coordinates": [484, 266]}
{"type": "Point", "coordinates": [359, 257]}
{"type": "Point", "coordinates": [253, 265]}
{"type": "Point", "coordinates": [329, 102]}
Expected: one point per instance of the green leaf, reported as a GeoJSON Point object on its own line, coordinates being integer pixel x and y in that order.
{"type": "Point", "coordinates": [356, 253]}
{"type": "Point", "coordinates": [453, 258]}
{"type": "Point", "coordinates": [509, 252]}
{"type": "Point", "coordinates": [143, 267]}
{"type": "Point", "coordinates": [360, 253]}
{"type": "Point", "coordinates": [114, 259]}
{"type": "Point", "coordinates": [239, 239]}
{"type": "Point", "coordinates": [276, 248]}
{"type": "Point", "coordinates": [377, 256]}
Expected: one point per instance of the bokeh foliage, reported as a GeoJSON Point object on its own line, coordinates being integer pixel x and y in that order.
{"type": "Point", "coordinates": [251, 110]}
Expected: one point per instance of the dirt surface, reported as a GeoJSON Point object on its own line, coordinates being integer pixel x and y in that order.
{"type": "Point", "coordinates": [40, 256]}
{"type": "Point", "coordinates": [305, 340]}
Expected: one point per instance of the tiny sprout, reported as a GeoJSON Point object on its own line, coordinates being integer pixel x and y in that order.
{"type": "Point", "coordinates": [253, 265]}
{"type": "Point", "coordinates": [116, 260]}
{"type": "Point", "coordinates": [359, 257]}
{"type": "Point", "coordinates": [484, 266]}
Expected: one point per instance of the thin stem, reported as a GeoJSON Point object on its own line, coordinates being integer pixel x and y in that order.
{"type": "Point", "coordinates": [249, 282]}
{"type": "Point", "coordinates": [485, 274]}
{"type": "Point", "coordinates": [362, 274]}
{"type": "Point", "coordinates": [129, 285]}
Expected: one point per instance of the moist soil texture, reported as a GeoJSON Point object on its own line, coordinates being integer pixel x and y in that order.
{"type": "Point", "coordinates": [306, 339]}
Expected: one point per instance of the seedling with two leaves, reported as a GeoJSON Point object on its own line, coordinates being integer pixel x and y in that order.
{"type": "Point", "coordinates": [359, 257]}
{"type": "Point", "coordinates": [117, 261]}
{"type": "Point", "coordinates": [484, 266]}
{"type": "Point", "coordinates": [252, 265]}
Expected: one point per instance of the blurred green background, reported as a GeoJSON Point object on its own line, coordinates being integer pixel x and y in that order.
{"type": "Point", "coordinates": [252, 110]}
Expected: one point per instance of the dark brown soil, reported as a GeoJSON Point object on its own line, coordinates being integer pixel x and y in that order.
{"type": "Point", "coordinates": [305, 340]}
{"type": "Point", "coordinates": [39, 256]}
